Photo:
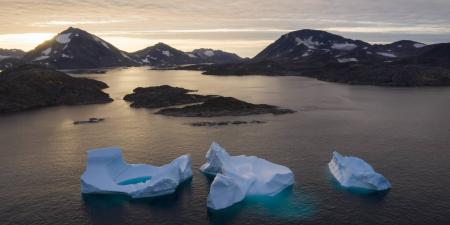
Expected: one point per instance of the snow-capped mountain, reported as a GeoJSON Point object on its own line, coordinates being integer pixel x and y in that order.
{"type": "Point", "coordinates": [10, 53]}
{"type": "Point", "coordinates": [305, 44]}
{"type": "Point", "coordinates": [163, 55]}
{"type": "Point", "coordinates": [324, 47]}
{"type": "Point", "coordinates": [214, 56]}
{"type": "Point", "coordinates": [75, 48]}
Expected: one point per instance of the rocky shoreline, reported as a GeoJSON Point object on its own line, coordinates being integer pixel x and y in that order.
{"type": "Point", "coordinates": [225, 123]}
{"type": "Point", "coordinates": [162, 96]}
{"type": "Point", "coordinates": [30, 86]}
{"type": "Point", "coordinates": [223, 106]}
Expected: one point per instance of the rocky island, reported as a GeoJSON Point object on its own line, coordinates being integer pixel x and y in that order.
{"type": "Point", "coordinates": [210, 105]}
{"type": "Point", "coordinates": [223, 106]}
{"type": "Point", "coordinates": [31, 86]}
{"type": "Point", "coordinates": [162, 96]}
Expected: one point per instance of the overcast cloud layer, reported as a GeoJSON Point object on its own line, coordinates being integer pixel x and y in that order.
{"type": "Point", "coordinates": [244, 27]}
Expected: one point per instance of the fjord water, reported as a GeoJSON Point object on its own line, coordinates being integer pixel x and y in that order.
{"type": "Point", "coordinates": [403, 132]}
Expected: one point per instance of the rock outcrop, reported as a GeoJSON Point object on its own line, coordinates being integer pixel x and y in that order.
{"type": "Point", "coordinates": [31, 86]}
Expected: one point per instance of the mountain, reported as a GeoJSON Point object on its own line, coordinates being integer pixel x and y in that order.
{"type": "Point", "coordinates": [207, 55]}
{"type": "Point", "coordinates": [400, 49]}
{"type": "Point", "coordinates": [331, 57]}
{"type": "Point", "coordinates": [11, 53]}
{"type": "Point", "coordinates": [10, 63]}
{"type": "Point", "coordinates": [315, 46]}
{"type": "Point", "coordinates": [304, 45]}
{"type": "Point", "coordinates": [437, 55]}
{"type": "Point", "coordinates": [75, 48]}
{"type": "Point", "coordinates": [33, 86]}
{"type": "Point", "coordinates": [163, 55]}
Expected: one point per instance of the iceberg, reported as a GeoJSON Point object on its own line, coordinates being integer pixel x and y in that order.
{"type": "Point", "coordinates": [239, 176]}
{"type": "Point", "coordinates": [353, 172]}
{"type": "Point", "coordinates": [108, 173]}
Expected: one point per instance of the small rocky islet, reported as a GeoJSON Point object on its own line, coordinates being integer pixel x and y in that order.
{"type": "Point", "coordinates": [223, 106]}
{"type": "Point", "coordinates": [32, 86]}
{"type": "Point", "coordinates": [207, 105]}
{"type": "Point", "coordinates": [163, 96]}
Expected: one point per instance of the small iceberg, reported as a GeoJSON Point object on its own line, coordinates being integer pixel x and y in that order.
{"type": "Point", "coordinates": [108, 173]}
{"type": "Point", "coordinates": [239, 176]}
{"type": "Point", "coordinates": [353, 172]}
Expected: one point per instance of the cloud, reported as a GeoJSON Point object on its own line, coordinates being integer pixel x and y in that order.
{"type": "Point", "coordinates": [218, 20]}
{"type": "Point", "coordinates": [74, 23]}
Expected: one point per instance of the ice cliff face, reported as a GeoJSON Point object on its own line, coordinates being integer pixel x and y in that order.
{"type": "Point", "coordinates": [241, 176]}
{"type": "Point", "coordinates": [108, 173]}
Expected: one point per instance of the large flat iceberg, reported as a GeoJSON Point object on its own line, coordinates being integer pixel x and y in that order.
{"type": "Point", "coordinates": [108, 173]}
{"type": "Point", "coordinates": [353, 172]}
{"type": "Point", "coordinates": [241, 176]}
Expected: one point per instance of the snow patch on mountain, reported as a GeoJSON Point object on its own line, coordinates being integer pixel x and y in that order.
{"type": "Point", "coordinates": [309, 43]}
{"type": "Point", "coordinates": [125, 55]}
{"type": "Point", "coordinates": [42, 57]}
{"type": "Point", "coordinates": [346, 60]}
{"type": "Point", "coordinates": [386, 54]}
{"type": "Point", "coordinates": [209, 53]}
{"type": "Point", "coordinates": [47, 51]}
{"type": "Point", "coordinates": [191, 55]}
{"type": "Point", "coordinates": [66, 56]}
{"type": "Point", "coordinates": [101, 42]}
{"type": "Point", "coordinates": [419, 45]}
{"type": "Point", "coordinates": [344, 46]}
{"type": "Point", "coordinates": [63, 38]}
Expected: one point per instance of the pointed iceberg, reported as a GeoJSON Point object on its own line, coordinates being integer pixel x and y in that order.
{"type": "Point", "coordinates": [108, 173]}
{"type": "Point", "coordinates": [353, 172]}
{"type": "Point", "coordinates": [241, 176]}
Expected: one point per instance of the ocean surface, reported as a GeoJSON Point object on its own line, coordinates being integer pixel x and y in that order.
{"type": "Point", "coordinates": [404, 133]}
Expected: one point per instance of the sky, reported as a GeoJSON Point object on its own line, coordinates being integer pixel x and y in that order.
{"type": "Point", "coordinates": [241, 26]}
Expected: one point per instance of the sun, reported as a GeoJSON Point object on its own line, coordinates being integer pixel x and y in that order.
{"type": "Point", "coordinates": [24, 41]}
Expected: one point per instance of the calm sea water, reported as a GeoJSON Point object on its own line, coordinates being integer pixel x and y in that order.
{"type": "Point", "coordinates": [403, 132]}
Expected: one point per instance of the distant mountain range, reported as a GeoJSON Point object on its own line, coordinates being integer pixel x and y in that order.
{"type": "Point", "coordinates": [331, 57]}
{"type": "Point", "coordinates": [163, 55]}
{"type": "Point", "coordinates": [11, 53]}
{"type": "Point", "coordinates": [311, 53]}
{"type": "Point", "coordinates": [77, 49]}
{"type": "Point", "coordinates": [314, 45]}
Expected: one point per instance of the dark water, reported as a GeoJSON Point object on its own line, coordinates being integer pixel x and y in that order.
{"type": "Point", "coordinates": [403, 133]}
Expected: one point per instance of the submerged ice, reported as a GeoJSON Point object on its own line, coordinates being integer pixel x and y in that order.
{"type": "Point", "coordinates": [353, 172]}
{"type": "Point", "coordinates": [108, 173]}
{"type": "Point", "coordinates": [239, 176]}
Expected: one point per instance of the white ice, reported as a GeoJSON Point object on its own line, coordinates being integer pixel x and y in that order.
{"type": "Point", "coordinates": [108, 173]}
{"type": "Point", "coordinates": [125, 55]}
{"type": "Point", "coordinates": [41, 58]}
{"type": "Point", "coordinates": [353, 172]}
{"type": "Point", "coordinates": [241, 176]}
{"type": "Point", "coordinates": [419, 45]}
{"type": "Point", "coordinates": [209, 53]}
{"type": "Point", "coordinates": [191, 55]}
{"type": "Point", "coordinates": [309, 43]}
{"type": "Point", "coordinates": [167, 53]}
{"type": "Point", "coordinates": [385, 54]}
{"type": "Point", "coordinates": [63, 38]}
{"type": "Point", "coordinates": [346, 60]}
{"type": "Point", "coordinates": [344, 46]}
{"type": "Point", "coordinates": [66, 56]}
{"type": "Point", "coordinates": [47, 51]}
